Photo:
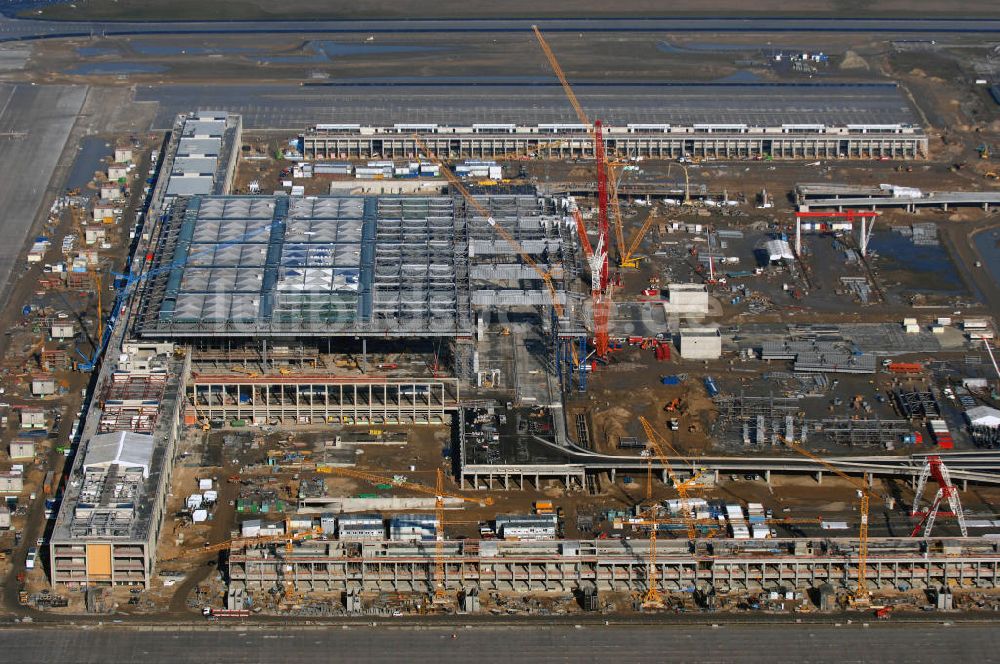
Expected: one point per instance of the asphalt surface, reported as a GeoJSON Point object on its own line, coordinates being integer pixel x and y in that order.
{"type": "Point", "coordinates": [35, 122]}
{"type": "Point", "coordinates": [449, 101]}
{"type": "Point", "coordinates": [887, 642]}
{"type": "Point", "coordinates": [15, 29]}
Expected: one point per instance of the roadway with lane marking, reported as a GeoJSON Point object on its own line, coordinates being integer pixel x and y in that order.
{"type": "Point", "coordinates": [523, 641]}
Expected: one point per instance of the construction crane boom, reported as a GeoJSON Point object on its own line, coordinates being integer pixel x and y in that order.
{"type": "Point", "coordinates": [454, 180]}
{"type": "Point", "coordinates": [372, 478]}
{"type": "Point", "coordinates": [862, 596]}
{"type": "Point", "coordinates": [580, 113]}
{"type": "Point", "coordinates": [599, 262]}
{"type": "Point", "coordinates": [439, 494]}
{"type": "Point", "coordinates": [627, 257]}
{"type": "Point", "coordinates": [654, 439]}
{"type": "Point", "coordinates": [616, 213]}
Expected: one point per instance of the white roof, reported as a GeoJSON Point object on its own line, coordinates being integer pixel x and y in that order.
{"type": "Point", "coordinates": [122, 448]}
{"type": "Point", "coordinates": [984, 416]}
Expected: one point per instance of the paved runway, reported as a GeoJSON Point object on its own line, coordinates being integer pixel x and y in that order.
{"type": "Point", "coordinates": [12, 29]}
{"type": "Point", "coordinates": [35, 122]}
{"type": "Point", "coordinates": [447, 101]}
{"type": "Point", "coordinates": [913, 644]}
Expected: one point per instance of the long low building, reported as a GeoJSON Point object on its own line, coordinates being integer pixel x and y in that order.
{"type": "Point", "coordinates": [615, 565]}
{"type": "Point", "coordinates": [662, 141]}
{"type": "Point", "coordinates": [113, 506]}
{"type": "Point", "coordinates": [723, 121]}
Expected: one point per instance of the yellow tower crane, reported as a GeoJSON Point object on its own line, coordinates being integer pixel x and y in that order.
{"type": "Point", "coordinates": [656, 441]}
{"type": "Point", "coordinates": [628, 258]}
{"type": "Point", "coordinates": [439, 495]}
{"type": "Point", "coordinates": [862, 596]}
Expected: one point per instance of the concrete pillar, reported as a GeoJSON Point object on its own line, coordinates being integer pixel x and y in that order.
{"type": "Point", "coordinates": [819, 477]}
{"type": "Point", "coordinates": [767, 477]}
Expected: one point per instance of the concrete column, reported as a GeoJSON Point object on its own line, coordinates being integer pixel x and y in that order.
{"type": "Point", "coordinates": [819, 477]}
{"type": "Point", "coordinates": [767, 477]}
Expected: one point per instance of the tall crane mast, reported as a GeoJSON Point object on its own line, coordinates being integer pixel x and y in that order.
{"type": "Point", "coordinates": [862, 596]}
{"type": "Point", "coordinates": [652, 596]}
{"type": "Point", "coordinates": [599, 263]}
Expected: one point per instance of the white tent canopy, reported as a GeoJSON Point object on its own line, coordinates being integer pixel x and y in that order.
{"type": "Point", "coordinates": [983, 416]}
{"type": "Point", "coordinates": [120, 448]}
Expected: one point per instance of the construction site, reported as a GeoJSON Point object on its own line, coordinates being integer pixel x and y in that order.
{"type": "Point", "coordinates": [593, 354]}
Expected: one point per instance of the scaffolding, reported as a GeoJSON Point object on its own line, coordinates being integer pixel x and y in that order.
{"type": "Point", "coordinates": [864, 433]}
{"type": "Point", "coordinates": [131, 402]}
{"type": "Point", "coordinates": [917, 404]}
{"type": "Point", "coordinates": [316, 399]}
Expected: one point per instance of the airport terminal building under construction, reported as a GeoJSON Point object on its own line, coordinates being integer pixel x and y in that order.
{"type": "Point", "coordinates": [274, 280]}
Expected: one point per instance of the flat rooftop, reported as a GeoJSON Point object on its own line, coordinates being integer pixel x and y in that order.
{"type": "Point", "coordinates": [113, 483]}
{"type": "Point", "coordinates": [454, 103]}
{"type": "Point", "coordinates": [202, 154]}
{"type": "Point", "coordinates": [346, 265]}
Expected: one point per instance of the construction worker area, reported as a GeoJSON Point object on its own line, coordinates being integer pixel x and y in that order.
{"type": "Point", "coordinates": [523, 369]}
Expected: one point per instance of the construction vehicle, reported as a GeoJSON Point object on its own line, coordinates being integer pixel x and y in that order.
{"type": "Point", "coordinates": [861, 598]}
{"type": "Point", "coordinates": [984, 151]}
{"type": "Point", "coordinates": [439, 495]}
{"type": "Point", "coordinates": [991, 175]}
{"type": "Point", "coordinates": [883, 612]}
{"type": "Point", "coordinates": [243, 370]}
{"type": "Point", "coordinates": [674, 406]}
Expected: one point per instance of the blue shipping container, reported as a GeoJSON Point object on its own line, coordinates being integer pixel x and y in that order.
{"type": "Point", "coordinates": [670, 380]}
